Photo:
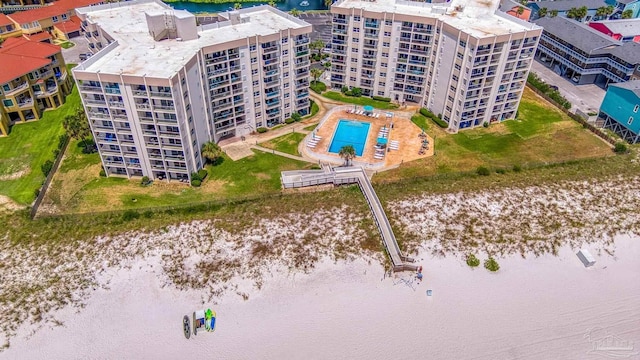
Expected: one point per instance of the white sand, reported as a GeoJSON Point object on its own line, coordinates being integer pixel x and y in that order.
{"type": "Point", "coordinates": [535, 308]}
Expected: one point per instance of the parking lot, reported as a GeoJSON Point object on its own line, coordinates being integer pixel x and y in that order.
{"type": "Point", "coordinates": [72, 55]}
{"type": "Point", "coordinates": [321, 25]}
{"type": "Point", "coordinates": [587, 98]}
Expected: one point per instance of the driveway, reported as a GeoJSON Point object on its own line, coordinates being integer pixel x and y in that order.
{"type": "Point", "coordinates": [72, 55]}
{"type": "Point", "coordinates": [587, 98]}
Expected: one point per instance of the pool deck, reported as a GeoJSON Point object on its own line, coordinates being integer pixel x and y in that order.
{"type": "Point", "coordinates": [404, 131]}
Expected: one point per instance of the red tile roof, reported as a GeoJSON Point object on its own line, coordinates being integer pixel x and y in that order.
{"type": "Point", "coordinates": [20, 56]}
{"type": "Point", "coordinates": [69, 26]}
{"type": "Point", "coordinates": [56, 9]}
{"type": "Point", "coordinates": [4, 20]}
{"type": "Point", "coordinates": [40, 37]}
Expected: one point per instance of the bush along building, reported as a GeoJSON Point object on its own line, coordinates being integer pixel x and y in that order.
{"type": "Point", "coordinates": [464, 59]}
{"type": "Point", "coordinates": [159, 86]}
{"type": "Point", "coordinates": [620, 110]}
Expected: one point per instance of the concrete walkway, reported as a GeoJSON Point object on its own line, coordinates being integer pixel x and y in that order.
{"type": "Point", "coordinates": [280, 153]}
{"type": "Point", "coordinates": [348, 175]}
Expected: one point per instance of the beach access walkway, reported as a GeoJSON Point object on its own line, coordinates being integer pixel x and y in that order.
{"type": "Point", "coordinates": [351, 175]}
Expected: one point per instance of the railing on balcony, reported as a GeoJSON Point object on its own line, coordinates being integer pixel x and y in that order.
{"type": "Point", "coordinates": [15, 89]}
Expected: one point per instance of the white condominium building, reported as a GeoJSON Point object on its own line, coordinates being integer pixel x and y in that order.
{"type": "Point", "coordinates": [159, 85]}
{"type": "Point", "coordinates": [463, 59]}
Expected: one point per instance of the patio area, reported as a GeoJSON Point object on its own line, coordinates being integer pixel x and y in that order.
{"type": "Point", "coordinates": [392, 138]}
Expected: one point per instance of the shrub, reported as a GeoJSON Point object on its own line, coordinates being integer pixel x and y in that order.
{"type": "Point", "coordinates": [356, 91]}
{"type": "Point", "coordinates": [472, 260]}
{"type": "Point", "coordinates": [314, 108]}
{"type": "Point", "coordinates": [517, 168]}
{"type": "Point", "coordinates": [46, 167]}
{"type": "Point", "coordinates": [436, 119]}
{"type": "Point", "coordinates": [202, 174]}
{"type": "Point", "coordinates": [103, 173]}
{"type": "Point", "coordinates": [381, 98]}
{"type": "Point", "coordinates": [196, 182]}
{"type": "Point", "coordinates": [344, 89]}
{"type": "Point", "coordinates": [145, 181]}
{"type": "Point", "coordinates": [289, 121]}
{"type": "Point", "coordinates": [485, 124]}
{"type": "Point", "coordinates": [620, 148]}
{"type": "Point", "coordinates": [195, 176]}
{"type": "Point", "coordinates": [491, 264]}
{"type": "Point", "coordinates": [348, 93]}
{"type": "Point", "coordinates": [36, 192]}
{"type": "Point", "coordinates": [56, 152]}
{"type": "Point", "coordinates": [295, 116]}
{"type": "Point", "coordinates": [61, 140]}
{"type": "Point", "coordinates": [318, 86]}
{"type": "Point", "coordinates": [262, 130]}
{"type": "Point", "coordinates": [130, 215]}
{"type": "Point", "coordinates": [483, 171]}
{"type": "Point", "coordinates": [501, 171]}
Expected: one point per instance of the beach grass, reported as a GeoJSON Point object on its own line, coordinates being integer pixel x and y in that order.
{"type": "Point", "coordinates": [27, 147]}
{"type": "Point", "coordinates": [287, 143]}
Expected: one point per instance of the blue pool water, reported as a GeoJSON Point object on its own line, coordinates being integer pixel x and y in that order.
{"type": "Point", "coordinates": [350, 132]}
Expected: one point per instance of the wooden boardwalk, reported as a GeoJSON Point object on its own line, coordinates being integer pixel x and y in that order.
{"type": "Point", "coordinates": [351, 175]}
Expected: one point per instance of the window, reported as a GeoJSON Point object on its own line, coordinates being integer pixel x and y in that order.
{"type": "Point", "coordinates": [256, 82]}
{"type": "Point", "coordinates": [635, 108]}
{"type": "Point", "coordinates": [355, 40]}
{"type": "Point", "coordinates": [64, 16]}
{"type": "Point", "coordinates": [54, 19]}
{"type": "Point", "coordinates": [257, 104]}
{"type": "Point", "coordinates": [382, 74]}
{"type": "Point", "coordinates": [628, 122]}
{"type": "Point", "coordinates": [388, 22]}
{"type": "Point", "coordinates": [354, 60]}
{"type": "Point", "coordinates": [286, 74]}
{"type": "Point", "coordinates": [356, 29]}
{"type": "Point", "coordinates": [385, 55]}
{"type": "Point", "coordinates": [252, 47]}
{"type": "Point", "coordinates": [387, 33]}
{"type": "Point", "coordinates": [354, 69]}
{"type": "Point", "coordinates": [254, 60]}
{"type": "Point", "coordinates": [183, 81]}
{"type": "Point", "coordinates": [286, 95]}
{"type": "Point", "coordinates": [385, 44]}
{"type": "Point", "coordinates": [355, 50]}
{"type": "Point", "coordinates": [353, 78]}
{"type": "Point", "coordinates": [285, 52]}
{"type": "Point", "coordinates": [256, 93]}
{"type": "Point", "coordinates": [382, 83]}
{"type": "Point", "coordinates": [7, 102]}
{"type": "Point", "coordinates": [356, 18]}
{"type": "Point", "coordinates": [254, 71]}
{"type": "Point", "coordinates": [285, 40]}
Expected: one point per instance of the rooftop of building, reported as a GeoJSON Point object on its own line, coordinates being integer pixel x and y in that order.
{"type": "Point", "coordinates": [55, 9]}
{"type": "Point", "coordinates": [588, 39]}
{"type": "Point", "coordinates": [479, 18]}
{"type": "Point", "coordinates": [137, 53]}
{"type": "Point", "coordinates": [633, 85]}
{"type": "Point", "coordinates": [20, 56]}
{"type": "Point", "coordinates": [624, 27]}
{"type": "Point", "coordinates": [4, 20]}
{"type": "Point", "coordinates": [71, 25]}
{"type": "Point", "coordinates": [564, 5]}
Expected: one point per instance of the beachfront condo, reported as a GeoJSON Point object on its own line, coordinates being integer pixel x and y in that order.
{"type": "Point", "coordinates": [33, 78]}
{"type": "Point", "coordinates": [463, 60]}
{"type": "Point", "coordinates": [160, 86]}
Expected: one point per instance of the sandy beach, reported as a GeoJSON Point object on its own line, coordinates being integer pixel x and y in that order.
{"type": "Point", "coordinates": [534, 308]}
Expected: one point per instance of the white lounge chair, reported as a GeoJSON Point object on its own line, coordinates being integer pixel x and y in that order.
{"type": "Point", "coordinates": [316, 137]}
{"type": "Point", "coordinates": [377, 116]}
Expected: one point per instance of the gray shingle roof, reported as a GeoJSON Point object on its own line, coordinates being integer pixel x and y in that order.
{"type": "Point", "coordinates": [633, 85]}
{"type": "Point", "coordinates": [625, 27]}
{"type": "Point", "coordinates": [589, 40]}
{"type": "Point", "coordinates": [564, 5]}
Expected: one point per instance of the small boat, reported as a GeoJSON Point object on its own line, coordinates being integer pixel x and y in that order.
{"type": "Point", "coordinates": [304, 3]}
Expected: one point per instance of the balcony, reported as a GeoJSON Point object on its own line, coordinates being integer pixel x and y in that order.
{"type": "Point", "coordinates": [302, 63]}
{"type": "Point", "coordinates": [302, 53]}
{"type": "Point", "coordinates": [371, 24]}
{"type": "Point", "coordinates": [272, 94]}
{"type": "Point", "coordinates": [339, 31]}
{"type": "Point", "coordinates": [143, 106]}
{"type": "Point", "coordinates": [44, 75]}
{"type": "Point", "coordinates": [118, 104]}
{"type": "Point", "coordinates": [25, 103]}
{"type": "Point", "coordinates": [302, 41]}
{"type": "Point", "coordinates": [371, 35]}
{"type": "Point", "coordinates": [17, 89]}
{"type": "Point", "coordinates": [269, 49]}
{"type": "Point", "coordinates": [91, 88]}
{"type": "Point", "coordinates": [90, 101]}
{"type": "Point", "coordinates": [339, 21]}
{"type": "Point", "coordinates": [162, 94]}
{"type": "Point", "coordinates": [164, 107]}
{"type": "Point", "coordinates": [272, 103]}
{"type": "Point", "coordinates": [112, 90]}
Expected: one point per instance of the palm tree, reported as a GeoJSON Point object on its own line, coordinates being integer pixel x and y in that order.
{"type": "Point", "coordinates": [571, 13]}
{"type": "Point", "coordinates": [328, 3]}
{"type": "Point", "coordinates": [211, 151]}
{"type": "Point", "coordinates": [627, 14]}
{"type": "Point", "coordinates": [348, 153]}
{"type": "Point", "coordinates": [77, 126]}
{"type": "Point", "coordinates": [610, 10]}
{"type": "Point", "coordinates": [542, 12]}
{"type": "Point", "coordinates": [237, 6]}
{"type": "Point", "coordinates": [601, 11]}
{"type": "Point", "coordinates": [520, 10]}
{"type": "Point", "coordinates": [294, 12]}
{"type": "Point", "coordinates": [272, 3]}
{"type": "Point", "coordinates": [316, 73]}
{"type": "Point", "coordinates": [317, 45]}
{"type": "Point", "coordinates": [553, 13]}
{"type": "Point", "coordinates": [582, 13]}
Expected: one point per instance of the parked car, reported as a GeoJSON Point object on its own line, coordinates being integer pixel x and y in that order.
{"type": "Point", "coordinates": [553, 87]}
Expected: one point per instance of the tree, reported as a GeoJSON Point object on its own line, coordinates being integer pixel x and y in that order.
{"type": "Point", "coordinates": [272, 3]}
{"type": "Point", "coordinates": [542, 12]}
{"type": "Point", "coordinates": [610, 10]}
{"type": "Point", "coordinates": [294, 12]}
{"type": "Point", "coordinates": [348, 153]}
{"type": "Point", "coordinates": [77, 126]}
{"type": "Point", "coordinates": [601, 12]}
{"type": "Point", "coordinates": [317, 45]}
{"type": "Point", "coordinates": [328, 3]}
{"type": "Point", "coordinates": [571, 13]}
{"type": "Point", "coordinates": [627, 14]}
{"type": "Point", "coordinates": [553, 13]}
{"type": "Point", "coordinates": [211, 151]}
{"type": "Point", "coordinates": [237, 6]}
{"type": "Point", "coordinates": [582, 13]}
{"type": "Point", "coordinates": [520, 10]}
{"type": "Point", "coordinates": [316, 73]}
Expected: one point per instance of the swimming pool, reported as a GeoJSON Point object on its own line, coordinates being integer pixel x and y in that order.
{"type": "Point", "coordinates": [350, 132]}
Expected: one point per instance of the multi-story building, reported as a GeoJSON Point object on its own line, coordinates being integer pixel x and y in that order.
{"type": "Point", "coordinates": [620, 110]}
{"type": "Point", "coordinates": [33, 78]}
{"type": "Point", "coordinates": [7, 27]}
{"type": "Point", "coordinates": [160, 86]}
{"type": "Point", "coordinates": [464, 59]}
{"type": "Point", "coordinates": [585, 55]}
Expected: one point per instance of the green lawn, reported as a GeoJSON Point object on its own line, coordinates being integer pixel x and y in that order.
{"type": "Point", "coordinates": [287, 143]}
{"type": "Point", "coordinates": [311, 127]}
{"type": "Point", "coordinates": [359, 100]}
{"type": "Point", "coordinates": [75, 159]}
{"type": "Point", "coordinates": [421, 121]}
{"type": "Point", "coordinates": [542, 134]}
{"type": "Point", "coordinates": [27, 147]}
{"type": "Point", "coordinates": [67, 45]}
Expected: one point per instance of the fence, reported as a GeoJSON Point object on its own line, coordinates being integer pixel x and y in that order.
{"type": "Point", "coordinates": [601, 134]}
{"type": "Point", "coordinates": [47, 181]}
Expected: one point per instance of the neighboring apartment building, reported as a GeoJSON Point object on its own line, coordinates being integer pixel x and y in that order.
{"type": "Point", "coordinates": [24, 2]}
{"type": "Point", "coordinates": [8, 28]}
{"type": "Point", "coordinates": [585, 55]}
{"type": "Point", "coordinates": [33, 78]}
{"type": "Point", "coordinates": [622, 30]}
{"type": "Point", "coordinates": [463, 59]}
{"type": "Point", "coordinates": [57, 19]}
{"type": "Point", "coordinates": [563, 6]}
{"type": "Point", "coordinates": [620, 110]}
{"type": "Point", "coordinates": [161, 86]}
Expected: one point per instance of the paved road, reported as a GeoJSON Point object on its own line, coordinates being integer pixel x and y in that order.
{"type": "Point", "coordinates": [584, 97]}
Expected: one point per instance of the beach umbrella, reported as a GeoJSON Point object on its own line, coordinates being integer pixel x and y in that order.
{"type": "Point", "coordinates": [368, 108]}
